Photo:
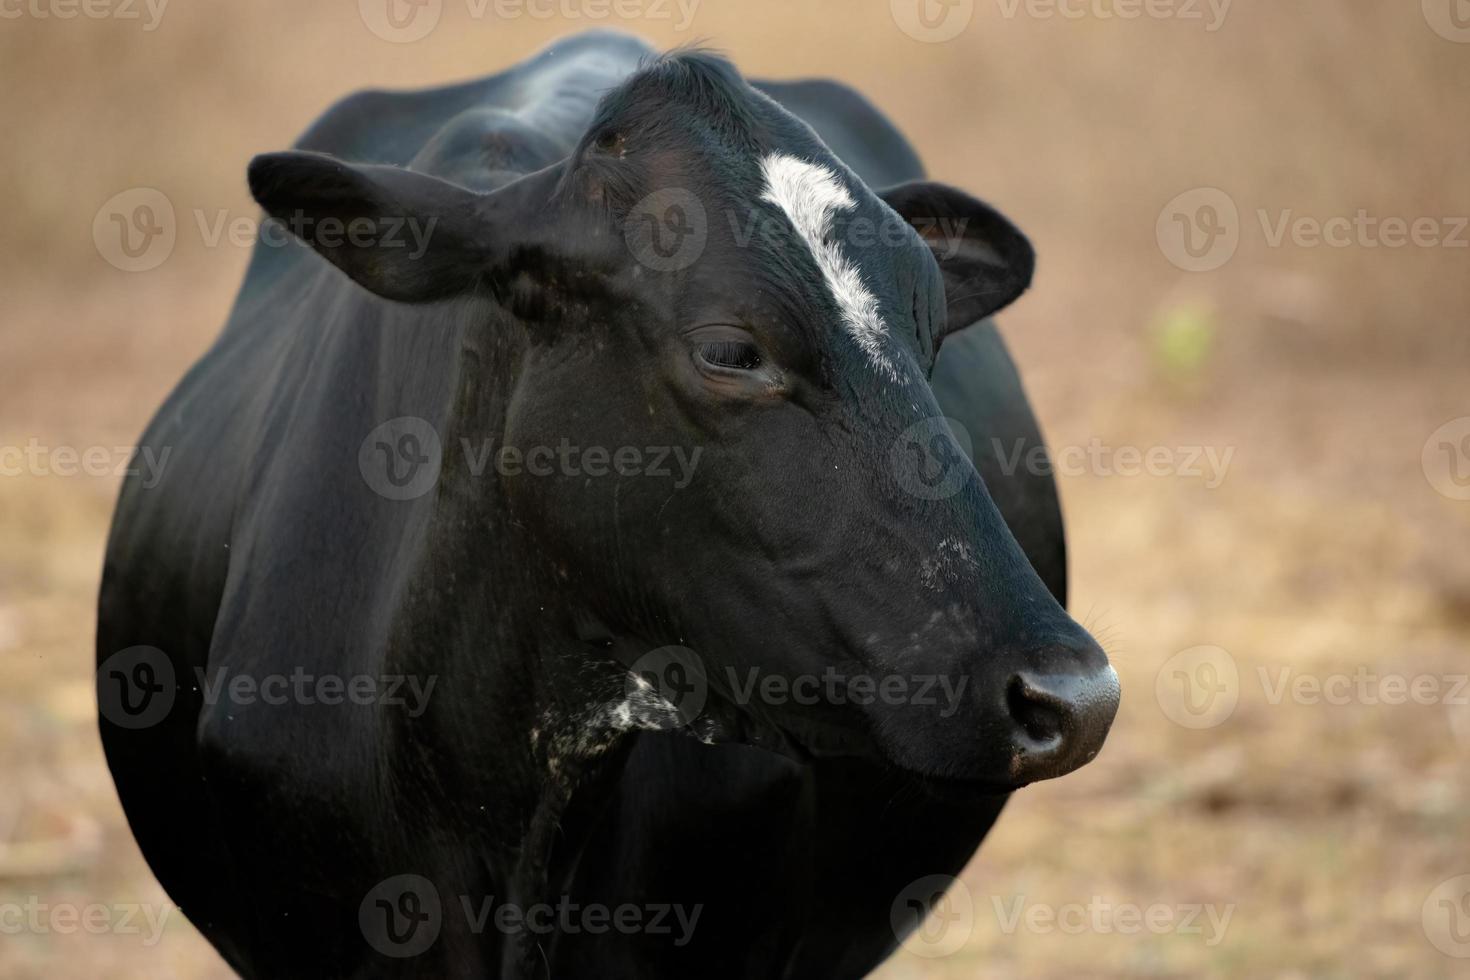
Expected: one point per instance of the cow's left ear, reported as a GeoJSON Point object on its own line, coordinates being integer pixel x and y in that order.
{"type": "Point", "coordinates": [403, 235]}
{"type": "Point", "coordinates": [985, 260]}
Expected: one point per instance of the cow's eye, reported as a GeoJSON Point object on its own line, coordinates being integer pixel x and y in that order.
{"type": "Point", "coordinates": [730, 355]}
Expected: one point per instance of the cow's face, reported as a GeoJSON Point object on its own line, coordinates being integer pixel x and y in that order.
{"type": "Point", "coordinates": [740, 332]}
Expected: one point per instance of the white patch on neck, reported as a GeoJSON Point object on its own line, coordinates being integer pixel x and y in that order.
{"type": "Point", "coordinates": [810, 195]}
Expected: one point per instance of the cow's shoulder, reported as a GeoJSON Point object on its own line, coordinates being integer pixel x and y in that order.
{"type": "Point", "coordinates": [553, 91]}
{"type": "Point", "coordinates": [387, 126]}
{"type": "Point", "coordinates": [477, 133]}
{"type": "Point", "coordinates": [852, 127]}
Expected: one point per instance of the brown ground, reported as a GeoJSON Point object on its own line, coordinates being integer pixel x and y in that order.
{"type": "Point", "coordinates": [1326, 548]}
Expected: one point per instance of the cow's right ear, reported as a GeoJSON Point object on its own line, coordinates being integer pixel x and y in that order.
{"type": "Point", "coordinates": [985, 260]}
{"type": "Point", "coordinates": [403, 235]}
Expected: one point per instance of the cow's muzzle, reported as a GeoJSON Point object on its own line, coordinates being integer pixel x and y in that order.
{"type": "Point", "coordinates": [1059, 720]}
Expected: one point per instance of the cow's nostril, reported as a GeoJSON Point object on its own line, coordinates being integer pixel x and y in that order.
{"type": "Point", "coordinates": [1060, 720]}
{"type": "Point", "coordinates": [1037, 711]}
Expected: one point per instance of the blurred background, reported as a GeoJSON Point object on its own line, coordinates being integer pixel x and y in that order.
{"type": "Point", "coordinates": [1248, 342]}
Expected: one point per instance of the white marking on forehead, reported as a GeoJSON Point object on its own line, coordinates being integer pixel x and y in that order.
{"type": "Point", "coordinates": [810, 195]}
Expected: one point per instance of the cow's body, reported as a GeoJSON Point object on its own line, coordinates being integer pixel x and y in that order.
{"type": "Point", "coordinates": [263, 550]}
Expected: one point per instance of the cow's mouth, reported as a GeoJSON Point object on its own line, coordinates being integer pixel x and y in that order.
{"type": "Point", "coordinates": [1044, 726]}
{"type": "Point", "coordinates": [1038, 724]}
{"type": "Point", "coordinates": [1041, 727]}
{"type": "Point", "coordinates": [807, 742]}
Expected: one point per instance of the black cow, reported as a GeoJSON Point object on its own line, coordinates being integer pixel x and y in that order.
{"type": "Point", "coordinates": [585, 583]}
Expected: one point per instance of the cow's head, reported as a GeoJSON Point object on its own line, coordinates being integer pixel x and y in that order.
{"type": "Point", "coordinates": [701, 273]}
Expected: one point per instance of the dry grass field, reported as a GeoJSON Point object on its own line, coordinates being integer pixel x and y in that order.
{"type": "Point", "coordinates": [1273, 806]}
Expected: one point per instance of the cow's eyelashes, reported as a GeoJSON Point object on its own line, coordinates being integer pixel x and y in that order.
{"type": "Point", "coordinates": [729, 355]}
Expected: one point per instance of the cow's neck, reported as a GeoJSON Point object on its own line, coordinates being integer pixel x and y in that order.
{"type": "Point", "coordinates": [525, 734]}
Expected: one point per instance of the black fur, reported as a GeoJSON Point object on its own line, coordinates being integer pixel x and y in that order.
{"type": "Point", "coordinates": [270, 547]}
